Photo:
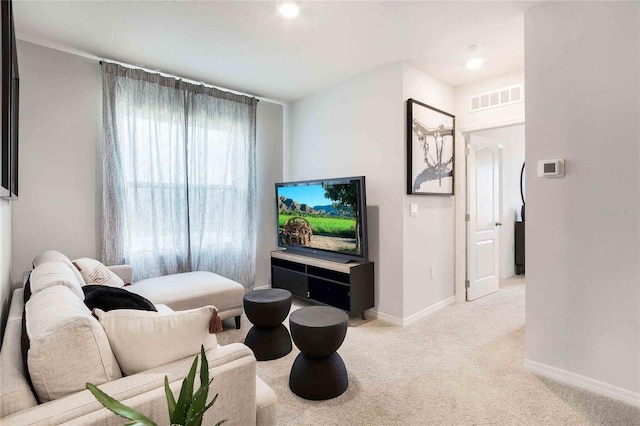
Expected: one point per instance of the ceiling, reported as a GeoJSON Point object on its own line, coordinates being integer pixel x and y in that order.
{"type": "Point", "coordinates": [247, 46]}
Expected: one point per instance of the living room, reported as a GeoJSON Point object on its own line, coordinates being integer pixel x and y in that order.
{"type": "Point", "coordinates": [318, 117]}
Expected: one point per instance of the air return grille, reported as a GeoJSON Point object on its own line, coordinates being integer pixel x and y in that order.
{"type": "Point", "coordinates": [502, 97]}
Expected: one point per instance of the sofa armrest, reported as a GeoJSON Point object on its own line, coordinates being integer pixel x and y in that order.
{"type": "Point", "coordinates": [233, 368]}
{"type": "Point", "coordinates": [125, 272]}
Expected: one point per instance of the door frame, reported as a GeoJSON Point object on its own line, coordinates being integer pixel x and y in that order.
{"type": "Point", "coordinates": [461, 208]}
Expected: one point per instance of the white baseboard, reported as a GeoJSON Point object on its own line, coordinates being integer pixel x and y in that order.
{"type": "Point", "coordinates": [430, 310]}
{"type": "Point", "coordinates": [583, 382]}
{"type": "Point", "coordinates": [389, 319]}
{"type": "Point", "coordinates": [403, 322]}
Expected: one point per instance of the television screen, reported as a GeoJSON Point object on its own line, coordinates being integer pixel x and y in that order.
{"type": "Point", "coordinates": [326, 216]}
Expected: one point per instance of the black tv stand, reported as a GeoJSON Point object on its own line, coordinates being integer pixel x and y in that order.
{"type": "Point", "coordinates": [347, 286]}
{"type": "Point", "coordinates": [318, 255]}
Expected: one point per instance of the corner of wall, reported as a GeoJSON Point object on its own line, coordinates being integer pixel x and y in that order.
{"type": "Point", "coordinates": [428, 238]}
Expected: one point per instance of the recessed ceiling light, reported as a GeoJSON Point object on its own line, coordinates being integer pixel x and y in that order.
{"type": "Point", "coordinates": [475, 63]}
{"type": "Point", "coordinates": [288, 9]}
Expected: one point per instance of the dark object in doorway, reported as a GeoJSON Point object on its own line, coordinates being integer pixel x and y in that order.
{"type": "Point", "coordinates": [519, 247]}
{"type": "Point", "coordinates": [522, 192]}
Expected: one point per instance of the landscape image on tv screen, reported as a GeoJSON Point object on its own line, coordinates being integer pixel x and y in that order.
{"type": "Point", "coordinates": [322, 216]}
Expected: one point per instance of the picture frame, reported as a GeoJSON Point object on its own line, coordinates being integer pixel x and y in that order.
{"type": "Point", "coordinates": [430, 150]}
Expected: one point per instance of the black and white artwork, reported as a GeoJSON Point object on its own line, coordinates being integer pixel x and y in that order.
{"type": "Point", "coordinates": [430, 150]}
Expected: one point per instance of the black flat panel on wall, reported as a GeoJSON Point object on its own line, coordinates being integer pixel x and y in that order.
{"type": "Point", "coordinates": [9, 88]}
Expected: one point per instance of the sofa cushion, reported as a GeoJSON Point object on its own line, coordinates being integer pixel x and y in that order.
{"type": "Point", "coordinates": [110, 298]}
{"type": "Point", "coordinates": [54, 273]}
{"type": "Point", "coordinates": [94, 272]}
{"type": "Point", "coordinates": [191, 290]}
{"type": "Point", "coordinates": [68, 347]}
{"type": "Point", "coordinates": [15, 393]}
{"type": "Point", "coordinates": [142, 340]}
{"type": "Point", "coordinates": [56, 255]}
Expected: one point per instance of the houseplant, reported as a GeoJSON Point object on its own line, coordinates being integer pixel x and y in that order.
{"type": "Point", "coordinates": [188, 410]}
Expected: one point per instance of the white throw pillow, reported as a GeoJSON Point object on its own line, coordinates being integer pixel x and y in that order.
{"type": "Point", "coordinates": [141, 340]}
{"type": "Point", "coordinates": [94, 272]}
{"type": "Point", "coordinates": [55, 272]}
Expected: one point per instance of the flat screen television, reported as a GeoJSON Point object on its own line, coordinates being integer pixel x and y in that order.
{"type": "Point", "coordinates": [324, 218]}
{"type": "Point", "coordinates": [9, 87]}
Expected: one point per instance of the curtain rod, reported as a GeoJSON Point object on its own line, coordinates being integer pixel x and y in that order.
{"type": "Point", "coordinates": [188, 80]}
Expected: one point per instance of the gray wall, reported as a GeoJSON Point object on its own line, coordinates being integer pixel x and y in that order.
{"type": "Point", "coordinates": [268, 172]}
{"type": "Point", "coordinates": [350, 130]}
{"type": "Point", "coordinates": [357, 128]}
{"type": "Point", "coordinates": [60, 125]}
{"type": "Point", "coordinates": [60, 158]}
{"type": "Point", "coordinates": [5, 262]}
{"type": "Point", "coordinates": [583, 245]}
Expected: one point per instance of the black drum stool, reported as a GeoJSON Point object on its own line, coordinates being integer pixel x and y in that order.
{"type": "Point", "coordinates": [318, 372]}
{"type": "Point", "coordinates": [266, 309]}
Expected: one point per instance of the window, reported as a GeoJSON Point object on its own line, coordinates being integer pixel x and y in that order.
{"type": "Point", "coordinates": [179, 176]}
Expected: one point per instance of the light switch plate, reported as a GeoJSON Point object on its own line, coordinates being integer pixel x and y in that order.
{"type": "Point", "coordinates": [413, 209]}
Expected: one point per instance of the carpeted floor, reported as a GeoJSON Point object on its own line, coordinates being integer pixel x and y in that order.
{"type": "Point", "coordinates": [459, 366]}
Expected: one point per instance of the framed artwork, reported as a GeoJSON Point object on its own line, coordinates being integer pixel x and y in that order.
{"type": "Point", "coordinates": [430, 150]}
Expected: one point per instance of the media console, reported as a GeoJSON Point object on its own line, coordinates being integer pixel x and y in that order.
{"type": "Point", "coordinates": [345, 286]}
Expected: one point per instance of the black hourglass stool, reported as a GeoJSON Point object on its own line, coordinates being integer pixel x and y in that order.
{"type": "Point", "coordinates": [318, 372]}
{"type": "Point", "coordinates": [266, 309]}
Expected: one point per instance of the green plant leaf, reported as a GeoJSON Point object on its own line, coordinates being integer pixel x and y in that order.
{"type": "Point", "coordinates": [186, 395]}
{"type": "Point", "coordinates": [204, 367]}
{"type": "Point", "coordinates": [200, 397]}
{"type": "Point", "coordinates": [119, 408]}
{"type": "Point", "coordinates": [171, 402]}
{"type": "Point", "coordinates": [199, 401]}
{"type": "Point", "coordinates": [197, 418]}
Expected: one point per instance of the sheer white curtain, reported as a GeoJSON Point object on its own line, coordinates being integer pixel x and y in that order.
{"type": "Point", "coordinates": [178, 176]}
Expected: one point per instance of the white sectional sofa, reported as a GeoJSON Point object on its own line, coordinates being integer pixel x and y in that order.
{"type": "Point", "coordinates": [70, 348]}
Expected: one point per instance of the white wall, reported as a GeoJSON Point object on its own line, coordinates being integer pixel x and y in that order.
{"type": "Point", "coordinates": [468, 121]}
{"type": "Point", "coordinates": [512, 140]}
{"type": "Point", "coordinates": [60, 160]}
{"type": "Point", "coordinates": [429, 236]}
{"type": "Point", "coordinates": [352, 129]}
{"type": "Point", "coordinates": [5, 262]}
{"type": "Point", "coordinates": [269, 137]}
{"type": "Point", "coordinates": [583, 264]}
{"type": "Point", "coordinates": [358, 128]}
{"type": "Point", "coordinates": [60, 127]}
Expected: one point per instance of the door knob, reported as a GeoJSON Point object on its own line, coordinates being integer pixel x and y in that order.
{"type": "Point", "coordinates": [498, 223]}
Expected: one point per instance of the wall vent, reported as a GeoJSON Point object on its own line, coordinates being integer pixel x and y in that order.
{"type": "Point", "coordinates": [502, 97]}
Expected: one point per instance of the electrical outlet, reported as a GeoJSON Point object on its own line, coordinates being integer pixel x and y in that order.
{"type": "Point", "coordinates": [433, 272]}
{"type": "Point", "coordinates": [413, 209]}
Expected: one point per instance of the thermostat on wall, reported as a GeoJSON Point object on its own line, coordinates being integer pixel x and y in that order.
{"type": "Point", "coordinates": [551, 168]}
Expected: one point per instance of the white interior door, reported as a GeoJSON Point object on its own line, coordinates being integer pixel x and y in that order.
{"type": "Point", "coordinates": [483, 186]}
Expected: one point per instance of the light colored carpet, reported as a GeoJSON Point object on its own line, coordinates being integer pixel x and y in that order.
{"type": "Point", "coordinates": [459, 366]}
